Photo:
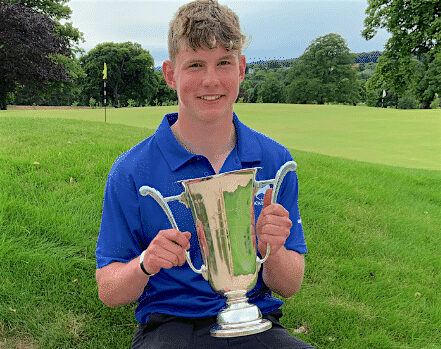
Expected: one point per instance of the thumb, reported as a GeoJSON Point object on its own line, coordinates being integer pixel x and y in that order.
{"type": "Point", "coordinates": [267, 198]}
{"type": "Point", "coordinates": [187, 235]}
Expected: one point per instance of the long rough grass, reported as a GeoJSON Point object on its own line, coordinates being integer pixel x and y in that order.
{"type": "Point", "coordinates": [373, 272]}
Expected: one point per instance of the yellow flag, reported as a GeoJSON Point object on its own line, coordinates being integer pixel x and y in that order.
{"type": "Point", "coordinates": [105, 71]}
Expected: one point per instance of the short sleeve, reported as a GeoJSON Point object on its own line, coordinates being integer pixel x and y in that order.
{"type": "Point", "coordinates": [119, 237]}
{"type": "Point", "coordinates": [288, 198]}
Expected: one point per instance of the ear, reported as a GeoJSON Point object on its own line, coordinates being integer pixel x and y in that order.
{"type": "Point", "coordinates": [242, 67]}
{"type": "Point", "coordinates": [169, 74]}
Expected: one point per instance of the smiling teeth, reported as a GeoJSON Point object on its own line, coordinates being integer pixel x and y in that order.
{"type": "Point", "coordinates": [210, 98]}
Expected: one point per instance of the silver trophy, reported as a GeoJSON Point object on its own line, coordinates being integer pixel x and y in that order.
{"type": "Point", "coordinates": [222, 206]}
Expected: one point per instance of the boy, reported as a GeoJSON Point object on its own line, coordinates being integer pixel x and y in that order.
{"type": "Point", "coordinates": [176, 306]}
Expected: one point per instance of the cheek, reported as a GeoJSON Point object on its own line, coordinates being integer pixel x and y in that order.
{"type": "Point", "coordinates": [187, 85]}
{"type": "Point", "coordinates": [233, 85]}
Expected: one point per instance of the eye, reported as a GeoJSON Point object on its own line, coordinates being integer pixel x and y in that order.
{"type": "Point", "coordinates": [224, 62]}
{"type": "Point", "coordinates": [195, 65]}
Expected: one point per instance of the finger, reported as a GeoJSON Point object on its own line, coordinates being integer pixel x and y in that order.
{"type": "Point", "coordinates": [166, 258]}
{"type": "Point", "coordinates": [274, 220]}
{"type": "Point", "coordinates": [274, 248]}
{"type": "Point", "coordinates": [271, 231]}
{"type": "Point", "coordinates": [154, 263]}
{"type": "Point", "coordinates": [169, 246]}
{"type": "Point", "coordinates": [275, 209]}
{"type": "Point", "coordinates": [180, 238]}
{"type": "Point", "coordinates": [177, 259]}
{"type": "Point", "coordinates": [267, 198]}
{"type": "Point", "coordinates": [181, 256]}
{"type": "Point", "coordinates": [274, 238]}
{"type": "Point", "coordinates": [274, 242]}
{"type": "Point", "coordinates": [182, 259]}
{"type": "Point", "coordinates": [163, 263]}
{"type": "Point", "coordinates": [187, 237]}
{"type": "Point", "coordinates": [158, 258]}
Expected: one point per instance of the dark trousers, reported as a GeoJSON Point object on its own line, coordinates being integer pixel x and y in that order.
{"type": "Point", "coordinates": [171, 332]}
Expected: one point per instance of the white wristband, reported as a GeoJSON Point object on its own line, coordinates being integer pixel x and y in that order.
{"type": "Point", "coordinates": [141, 260]}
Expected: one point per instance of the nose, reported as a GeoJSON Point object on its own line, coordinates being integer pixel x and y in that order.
{"type": "Point", "coordinates": [211, 78]}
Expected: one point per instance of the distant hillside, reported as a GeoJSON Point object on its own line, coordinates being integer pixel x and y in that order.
{"type": "Point", "coordinates": [363, 57]}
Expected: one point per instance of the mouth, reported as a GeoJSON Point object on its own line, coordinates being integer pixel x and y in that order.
{"type": "Point", "coordinates": [211, 97]}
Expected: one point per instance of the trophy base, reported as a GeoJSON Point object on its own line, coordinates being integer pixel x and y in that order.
{"type": "Point", "coordinates": [241, 329]}
{"type": "Point", "coordinates": [239, 318]}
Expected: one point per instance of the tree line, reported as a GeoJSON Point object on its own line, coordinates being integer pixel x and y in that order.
{"type": "Point", "coordinates": [41, 63]}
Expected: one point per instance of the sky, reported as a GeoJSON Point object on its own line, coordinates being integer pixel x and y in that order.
{"type": "Point", "coordinates": [277, 29]}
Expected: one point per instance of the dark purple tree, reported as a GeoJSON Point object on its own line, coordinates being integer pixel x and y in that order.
{"type": "Point", "coordinates": [29, 47]}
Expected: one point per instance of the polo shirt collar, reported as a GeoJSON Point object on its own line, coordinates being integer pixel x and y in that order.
{"type": "Point", "coordinates": [248, 146]}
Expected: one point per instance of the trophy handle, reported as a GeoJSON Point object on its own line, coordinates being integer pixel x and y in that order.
{"type": "Point", "coordinates": [276, 182]}
{"type": "Point", "coordinates": [280, 175]}
{"type": "Point", "coordinates": [163, 202]}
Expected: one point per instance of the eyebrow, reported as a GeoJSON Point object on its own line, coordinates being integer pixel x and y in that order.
{"type": "Point", "coordinates": [227, 57]}
{"type": "Point", "coordinates": [192, 61]}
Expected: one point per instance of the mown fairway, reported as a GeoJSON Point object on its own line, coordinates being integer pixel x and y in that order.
{"type": "Point", "coordinates": [403, 138]}
{"type": "Point", "coordinates": [373, 272]}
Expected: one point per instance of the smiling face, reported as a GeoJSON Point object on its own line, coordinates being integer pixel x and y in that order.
{"type": "Point", "coordinates": [207, 82]}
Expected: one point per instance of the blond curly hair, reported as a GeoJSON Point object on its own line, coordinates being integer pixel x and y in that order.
{"type": "Point", "coordinates": [205, 24]}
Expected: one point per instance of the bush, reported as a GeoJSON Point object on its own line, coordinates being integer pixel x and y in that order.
{"type": "Point", "coordinates": [10, 97]}
{"type": "Point", "coordinates": [372, 98]}
{"type": "Point", "coordinates": [92, 102]}
{"type": "Point", "coordinates": [131, 103]}
{"type": "Point", "coordinates": [408, 101]}
{"type": "Point", "coordinates": [436, 102]}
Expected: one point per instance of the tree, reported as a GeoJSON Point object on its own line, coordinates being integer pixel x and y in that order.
{"type": "Point", "coordinates": [54, 92]}
{"type": "Point", "coordinates": [242, 96]}
{"type": "Point", "coordinates": [252, 84]}
{"type": "Point", "coordinates": [271, 89]}
{"type": "Point", "coordinates": [428, 79]}
{"type": "Point", "coordinates": [29, 48]}
{"type": "Point", "coordinates": [304, 90]}
{"type": "Point", "coordinates": [56, 10]}
{"type": "Point", "coordinates": [130, 73]}
{"type": "Point", "coordinates": [323, 73]}
{"type": "Point", "coordinates": [415, 26]}
{"type": "Point", "coordinates": [364, 73]}
{"type": "Point", "coordinates": [164, 94]}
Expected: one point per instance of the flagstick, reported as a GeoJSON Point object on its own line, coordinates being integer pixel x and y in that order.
{"type": "Point", "coordinates": [105, 99]}
{"type": "Point", "coordinates": [105, 102]}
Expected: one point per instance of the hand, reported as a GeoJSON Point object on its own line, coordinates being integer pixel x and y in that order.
{"type": "Point", "coordinates": [167, 250]}
{"type": "Point", "coordinates": [273, 226]}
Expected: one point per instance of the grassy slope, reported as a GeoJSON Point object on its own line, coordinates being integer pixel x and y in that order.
{"type": "Point", "coordinates": [373, 268]}
{"type": "Point", "coordinates": [404, 138]}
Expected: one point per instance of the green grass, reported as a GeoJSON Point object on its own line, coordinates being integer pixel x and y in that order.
{"type": "Point", "coordinates": [52, 175]}
{"type": "Point", "coordinates": [373, 272]}
{"type": "Point", "coordinates": [403, 138]}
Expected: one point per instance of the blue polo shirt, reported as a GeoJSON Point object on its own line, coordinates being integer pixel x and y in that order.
{"type": "Point", "coordinates": [130, 221]}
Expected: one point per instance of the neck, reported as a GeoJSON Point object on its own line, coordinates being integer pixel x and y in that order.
{"type": "Point", "coordinates": [214, 141]}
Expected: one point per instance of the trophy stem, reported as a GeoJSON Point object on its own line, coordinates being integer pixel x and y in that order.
{"type": "Point", "coordinates": [239, 318]}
